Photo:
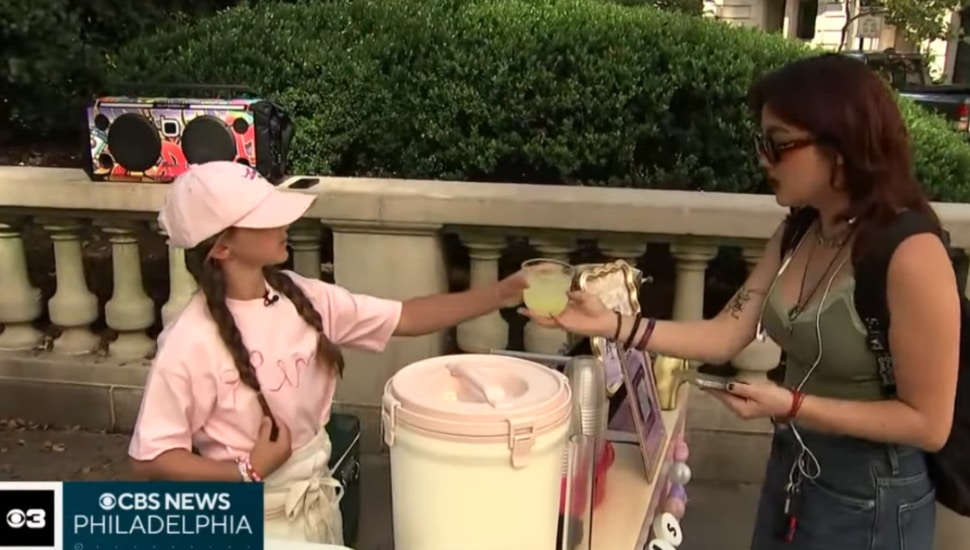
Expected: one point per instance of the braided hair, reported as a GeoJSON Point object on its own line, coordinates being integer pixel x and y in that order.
{"type": "Point", "coordinates": [211, 281]}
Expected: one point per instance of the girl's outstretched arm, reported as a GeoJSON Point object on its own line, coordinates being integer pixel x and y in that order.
{"type": "Point", "coordinates": [430, 314]}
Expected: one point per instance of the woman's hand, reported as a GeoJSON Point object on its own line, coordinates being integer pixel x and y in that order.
{"type": "Point", "coordinates": [585, 314]}
{"type": "Point", "coordinates": [509, 290]}
{"type": "Point", "coordinates": [761, 400]}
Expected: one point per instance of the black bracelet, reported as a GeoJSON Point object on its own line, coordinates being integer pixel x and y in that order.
{"type": "Point", "coordinates": [619, 323]}
{"type": "Point", "coordinates": [633, 333]}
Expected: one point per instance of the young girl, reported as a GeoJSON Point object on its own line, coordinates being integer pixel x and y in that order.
{"type": "Point", "coordinates": [246, 373]}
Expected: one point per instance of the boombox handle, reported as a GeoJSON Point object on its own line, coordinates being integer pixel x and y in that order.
{"type": "Point", "coordinates": [134, 86]}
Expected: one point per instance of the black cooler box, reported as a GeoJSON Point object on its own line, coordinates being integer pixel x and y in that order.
{"type": "Point", "coordinates": [344, 432]}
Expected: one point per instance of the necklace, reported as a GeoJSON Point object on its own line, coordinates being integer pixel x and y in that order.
{"type": "Point", "coordinates": [803, 299]}
{"type": "Point", "coordinates": [836, 240]}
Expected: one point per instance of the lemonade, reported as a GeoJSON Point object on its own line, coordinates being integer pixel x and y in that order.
{"type": "Point", "coordinates": [549, 283]}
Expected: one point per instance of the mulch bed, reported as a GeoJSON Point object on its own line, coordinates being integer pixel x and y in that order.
{"type": "Point", "coordinates": [59, 155]}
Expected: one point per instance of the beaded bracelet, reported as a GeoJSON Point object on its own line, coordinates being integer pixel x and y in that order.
{"type": "Point", "coordinates": [246, 470]}
{"type": "Point", "coordinates": [243, 470]}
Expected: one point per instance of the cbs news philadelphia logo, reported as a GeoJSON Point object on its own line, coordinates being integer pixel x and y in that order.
{"type": "Point", "coordinates": [29, 515]}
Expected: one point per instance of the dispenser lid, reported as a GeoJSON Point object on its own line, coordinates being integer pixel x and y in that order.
{"type": "Point", "coordinates": [480, 389]}
{"type": "Point", "coordinates": [477, 399]}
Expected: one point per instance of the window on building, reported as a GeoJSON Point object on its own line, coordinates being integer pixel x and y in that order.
{"type": "Point", "coordinates": [961, 66]}
{"type": "Point", "coordinates": [805, 19]}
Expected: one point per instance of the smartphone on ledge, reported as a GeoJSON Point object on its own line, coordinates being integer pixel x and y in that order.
{"type": "Point", "coordinates": [705, 381]}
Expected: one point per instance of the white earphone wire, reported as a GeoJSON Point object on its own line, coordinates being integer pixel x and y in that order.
{"type": "Point", "coordinates": [806, 464]}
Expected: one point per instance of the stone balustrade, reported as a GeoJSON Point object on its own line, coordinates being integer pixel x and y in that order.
{"type": "Point", "coordinates": [67, 358]}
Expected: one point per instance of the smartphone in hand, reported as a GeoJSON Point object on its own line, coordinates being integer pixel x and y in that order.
{"type": "Point", "coordinates": [705, 381]}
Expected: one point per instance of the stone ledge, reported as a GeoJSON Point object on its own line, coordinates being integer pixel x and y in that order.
{"type": "Point", "coordinates": [396, 203]}
{"type": "Point", "coordinates": [99, 393]}
{"type": "Point", "coordinates": [72, 369]}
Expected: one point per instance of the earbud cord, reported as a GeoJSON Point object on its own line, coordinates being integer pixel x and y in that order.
{"type": "Point", "coordinates": [760, 334]}
{"type": "Point", "coordinates": [806, 464]}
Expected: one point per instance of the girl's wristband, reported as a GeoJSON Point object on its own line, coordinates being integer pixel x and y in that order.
{"type": "Point", "coordinates": [247, 472]}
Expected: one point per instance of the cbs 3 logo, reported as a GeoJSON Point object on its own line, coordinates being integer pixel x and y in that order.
{"type": "Point", "coordinates": [34, 518]}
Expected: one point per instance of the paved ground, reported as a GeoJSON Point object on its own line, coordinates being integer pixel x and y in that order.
{"type": "Point", "coordinates": [719, 516]}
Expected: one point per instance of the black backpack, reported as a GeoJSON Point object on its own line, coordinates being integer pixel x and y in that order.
{"type": "Point", "coordinates": [950, 466]}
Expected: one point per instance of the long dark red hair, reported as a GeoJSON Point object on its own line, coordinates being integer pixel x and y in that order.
{"type": "Point", "coordinates": [850, 110]}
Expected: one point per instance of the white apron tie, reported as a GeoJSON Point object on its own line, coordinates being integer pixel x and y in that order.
{"type": "Point", "coordinates": [302, 499]}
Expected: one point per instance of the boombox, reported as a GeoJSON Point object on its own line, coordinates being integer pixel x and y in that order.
{"type": "Point", "coordinates": [153, 140]}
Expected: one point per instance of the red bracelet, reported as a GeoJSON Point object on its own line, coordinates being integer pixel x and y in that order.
{"type": "Point", "coordinates": [797, 397]}
{"type": "Point", "coordinates": [647, 333]}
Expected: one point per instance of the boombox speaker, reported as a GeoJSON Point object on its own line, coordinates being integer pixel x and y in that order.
{"type": "Point", "coordinates": [153, 140]}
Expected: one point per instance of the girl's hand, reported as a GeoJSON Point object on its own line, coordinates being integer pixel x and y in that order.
{"type": "Point", "coordinates": [585, 314]}
{"type": "Point", "coordinates": [268, 455]}
{"type": "Point", "coordinates": [761, 400]}
{"type": "Point", "coordinates": [509, 290]}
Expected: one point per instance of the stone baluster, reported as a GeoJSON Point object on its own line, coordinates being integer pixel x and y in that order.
{"type": "Point", "coordinates": [20, 303]}
{"type": "Point", "coordinates": [129, 311]}
{"type": "Point", "coordinates": [752, 252]}
{"type": "Point", "coordinates": [305, 236]}
{"type": "Point", "coordinates": [691, 265]}
{"type": "Point", "coordinates": [760, 356]}
{"type": "Point", "coordinates": [395, 261]}
{"type": "Point", "coordinates": [539, 339]}
{"type": "Point", "coordinates": [691, 259]}
{"type": "Point", "coordinates": [181, 285]}
{"type": "Point", "coordinates": [629, 250]}
{"type": "Point", "coordinates": [488, 331]}
{"type": "Point", "coordinates": [73, 307]}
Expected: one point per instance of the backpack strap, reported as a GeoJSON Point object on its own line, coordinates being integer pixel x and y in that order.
{"type": "Point", "coordinates": [871, 270]}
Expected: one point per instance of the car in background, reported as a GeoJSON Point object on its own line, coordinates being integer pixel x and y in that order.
{"type": "Point", "coordinates": [909, 74]}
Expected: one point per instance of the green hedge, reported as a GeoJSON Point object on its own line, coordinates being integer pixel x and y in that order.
{"type": "Point", "coordinates": [543, 91]}
{"type": "Point", "coordinates": [55, 53]}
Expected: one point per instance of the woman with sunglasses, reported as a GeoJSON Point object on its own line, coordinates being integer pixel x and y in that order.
{"type": "Point", "coordinates": [847, 468]}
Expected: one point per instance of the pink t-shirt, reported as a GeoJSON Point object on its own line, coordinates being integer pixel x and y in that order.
{"type": "Point", "coordinates": [193, 395]}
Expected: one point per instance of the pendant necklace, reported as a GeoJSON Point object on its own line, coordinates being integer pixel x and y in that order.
{"type": "Point", "coordinates": [803, 299]}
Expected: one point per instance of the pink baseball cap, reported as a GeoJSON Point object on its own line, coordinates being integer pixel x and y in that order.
{"type": "Point", "coordinates": [209, 198]}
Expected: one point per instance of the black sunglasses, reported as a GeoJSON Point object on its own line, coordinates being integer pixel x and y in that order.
{"type": "Point", "coordinates": [774, 152]}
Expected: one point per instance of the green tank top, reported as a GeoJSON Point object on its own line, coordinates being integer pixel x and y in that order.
{"type": "Point", "coordinates": [848, 370]}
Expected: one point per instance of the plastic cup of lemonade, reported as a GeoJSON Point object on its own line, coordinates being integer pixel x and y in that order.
{"type": "Point", "coordinates": [549, 284]}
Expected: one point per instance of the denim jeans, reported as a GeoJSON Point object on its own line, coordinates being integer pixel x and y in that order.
{"type": "Point", "coordinates": [868, 496]}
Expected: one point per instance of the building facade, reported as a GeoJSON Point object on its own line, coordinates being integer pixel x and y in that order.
{"type": "Point", "coordinates": [821, 23]}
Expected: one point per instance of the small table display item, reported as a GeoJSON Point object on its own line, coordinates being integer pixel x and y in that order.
{"type": "Point", "coordinates": [617, 284]}
{"type": "Point", "coordinates": [667, 372]}
{"type": "Point", "coordinates": [644, 407]}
